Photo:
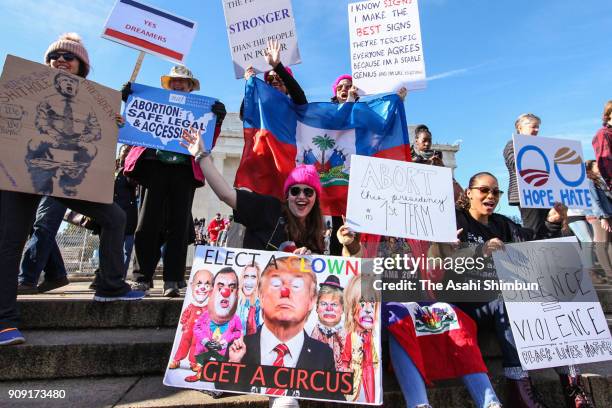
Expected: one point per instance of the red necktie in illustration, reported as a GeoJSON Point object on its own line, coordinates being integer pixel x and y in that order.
{"type": "Point", "coordinates": [251, 326]}
{"type": "Point", "coordinates": [368, 367]}
{"type": "Point", "coordinates": [281, 351]}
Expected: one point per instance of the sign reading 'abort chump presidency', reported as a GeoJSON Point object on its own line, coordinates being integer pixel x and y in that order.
{"type": "Point", "coordinates": [251, 24]}
{"type": "Point", "coordinates": [274, 324]}
{"type": "Point", "coordinates": [555, 316]}
{"type": "Point", "coordinates": [150, 29]}
{"type": "Point", "coordinates": [401, 199]}
{"type": "Point", "coordinates": [58, 132]}
{"type": "Point", "coordinates": [550, 170]}
{"type": "Point", "coordinates": [386, 45]}
{"type": "Point", "coordinates": [156, 118]}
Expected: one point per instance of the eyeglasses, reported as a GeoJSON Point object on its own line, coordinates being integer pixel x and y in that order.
{"type": "Point", "coordinates": [486, 190]}
{"type": "Point", "coordinates": [68, 56]}
{"type": "Point", "coordinates": [295, 191]}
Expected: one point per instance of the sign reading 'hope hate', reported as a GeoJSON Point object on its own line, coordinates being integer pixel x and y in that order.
{"type": "Point", "coordinates": [150, 29]}
{"type": "Point", "coordinates": [550, 170]}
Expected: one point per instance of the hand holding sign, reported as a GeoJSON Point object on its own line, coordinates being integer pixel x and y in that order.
{"type": "Point", "coordinates": [273, 53]}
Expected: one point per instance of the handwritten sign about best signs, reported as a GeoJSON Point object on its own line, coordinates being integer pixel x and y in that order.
{"type": "Point", "coordinates": [401, 199]}
{"type": "Point", "coordinates": [150, 29]}
{"type": "Point", "coordinates": [559, 321]}
{"type": "Point", "coordinates": [156, 118]}
{"type": "Point", "coordinates": [251, 23]}
{"type": "Point", "coordinates": [550, 170]}
{"type": "Point", "coordinates": [386, 46]}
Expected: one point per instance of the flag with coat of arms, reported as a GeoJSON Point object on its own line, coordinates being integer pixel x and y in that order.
{"type": "Point", "coordinates": [279, 135]}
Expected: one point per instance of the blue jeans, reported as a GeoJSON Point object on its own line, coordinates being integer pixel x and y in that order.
{"type": "Point", "coordinates": [492, 315]}
{"type": "Point", "coordinates": [413, 386]}
{"type": "Point", "coordinates": [128, 246]}
{"type": "Point", "coordinates": [41, 250]}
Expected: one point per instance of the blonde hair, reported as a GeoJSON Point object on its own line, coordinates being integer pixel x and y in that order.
{"type": "Point", "coordinates": [526, 117]}
{"type": "Point", "coordinates": [352, 296]}
{"type": "Point", "coordinates": [291, 264]}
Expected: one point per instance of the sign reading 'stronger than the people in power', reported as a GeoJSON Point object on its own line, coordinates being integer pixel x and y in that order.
{"type": "Point", "coordinates": [550, 170]}
{"type": "Point", "coordinates": [150, 29]}
{"type": "Point", "coordinates": [251, 24]}
{"type": "Point", "coordinates": [386, 45]}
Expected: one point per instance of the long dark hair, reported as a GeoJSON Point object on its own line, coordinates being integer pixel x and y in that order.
{"type": "Point", "coordinates": [592, 176]}
{"type": "Point", "coordinates": [311, 234]}
{"type": "Point", "coordinates": [463, 202]}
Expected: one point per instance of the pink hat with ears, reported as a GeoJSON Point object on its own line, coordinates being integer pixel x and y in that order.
{"type": "Point", "coordinates": [340, 78]}
{"type": "Point", "coordinates": [304, 174]}
{"type": "Point", "coordinates": [267, 73]}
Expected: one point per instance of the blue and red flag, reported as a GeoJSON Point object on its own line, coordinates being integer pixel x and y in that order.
{"type": "Point", "coordinates": [279, 135]}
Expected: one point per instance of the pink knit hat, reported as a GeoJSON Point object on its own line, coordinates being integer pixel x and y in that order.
{"type": "Point", "coordinates": [304, 174]}
{"type": "Point", "coordinates": [267, 73]}
{"type": "Point", "coordinates": [340, 78]}
{"type": "Point", "coordinates": [70, 42]}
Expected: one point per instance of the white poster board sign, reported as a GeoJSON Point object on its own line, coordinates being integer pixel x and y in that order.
{"type": "Point", "coordinates": [150, 29]}
{"type": "Point", "coordinates": [559, 321]}
{"type": "Point", "coordinates": [401, 199]}
{"type": "Point", "coordinates": [251, 23]}
{"type": "Point", "coordinates": [550, 170]}
{"type": "Point", "coordinates": [386, 46]}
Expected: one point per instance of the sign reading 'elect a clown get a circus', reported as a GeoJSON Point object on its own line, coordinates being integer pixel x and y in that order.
{"type": "Point", "coordinates": [550, 170]}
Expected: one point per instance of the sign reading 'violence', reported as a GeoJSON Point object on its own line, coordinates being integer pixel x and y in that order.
{"type": "Point", "coordinates": [556, 320]}
{"type": "Point", "coordinates": [251, 23]}
{"type": "Point", "coordinates": [386, 46]}
{"type": "Point", "coordinates": [150, 29]}
{"type": "Point", "coordinates": [551, 170]}
{"type": "Point", "coordinates": [401, 199]}
{"type": "Point", "coordinates": [274, 323]}
{"type": "Point", "coordinates": [58, 132]}
{"type": "Point", "coordinates": [156, 118]}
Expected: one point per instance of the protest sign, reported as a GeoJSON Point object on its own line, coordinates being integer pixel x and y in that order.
{"type": "Point", "coordinates": [150, 29]}
{"type": "Point", "coordinates": [386, 46]}
{"type": "Point", "coordinates": [401, 199]}
{"type": "Point", "coordinates": [156, 118]}
{"type": "Point", "coordinates": [58, 131]}
{"type": "Point", "coordinates": [251, 23]}
{"type": "Point", "coordinates": [556, 320]}
{"type": "Point", "coordinates": [550, 170]}
{"type": "Point", "coordinates": [235, 337]}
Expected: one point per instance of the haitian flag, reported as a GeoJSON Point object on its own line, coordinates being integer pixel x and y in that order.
{"type": "Point", "coordinates": [280, 135]}
{"type": "Point", "coordinates": [440, 338]}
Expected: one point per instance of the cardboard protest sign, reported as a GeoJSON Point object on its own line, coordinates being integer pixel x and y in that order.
{"type": "Point", "coordinates": [58, 131]}
{"type": "Point", "coordinates": [251, 23]}
{"type": "Point", "coordinates": [401, 199]}
{"type": "Point", "coordinates": [555, 316]}
{"type": "Point", "coordinates": [156, 118]}
{"type": "Point", "coordinates": [273, 323]}
{"type": "Point", "coordinates": [150, 29]}
{"type": "Point", "coordinates": [550, 170]}
{"type": "Point", "coordinates": [386, 45]}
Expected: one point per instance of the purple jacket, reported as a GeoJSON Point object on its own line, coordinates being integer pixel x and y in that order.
{"type": "Point", "coordinates": [201, 330]}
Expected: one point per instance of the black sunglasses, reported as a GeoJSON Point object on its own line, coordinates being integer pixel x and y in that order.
{"type": "Point", "coordinates": [486, 190]}
{"type": "Point", "coordinates": [274, 77]}
{"type": "Point", "coordinates": [68, 56]}
{"type": "Point", "coordinates": [295, 191]}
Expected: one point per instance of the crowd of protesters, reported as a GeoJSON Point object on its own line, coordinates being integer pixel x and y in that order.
{"type": "Point", "coordinates": [154, 192]}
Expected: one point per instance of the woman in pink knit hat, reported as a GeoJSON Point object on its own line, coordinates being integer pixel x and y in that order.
{"type": "Point", "coordinates": [292, 225]}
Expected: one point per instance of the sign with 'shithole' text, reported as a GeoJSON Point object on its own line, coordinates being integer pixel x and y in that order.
{"type": "Point", "coordinates": [401, 199]}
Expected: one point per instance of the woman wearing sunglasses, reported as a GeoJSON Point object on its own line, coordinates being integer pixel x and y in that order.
{"type": "Point", "coordinates": [19, 209]}
{"type": "Point", "coordinates": [483, 231]}
{"type": "Point", "coordinates": [292, 225]}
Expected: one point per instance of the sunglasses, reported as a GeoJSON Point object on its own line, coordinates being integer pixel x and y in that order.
{"type": "Point", "coordinates": [486, 190]}
{"type": "Point", "coordinates": [68, 56]}
{"type": "Point", "coordinates": [295, 191]}
{"type": "Point", "coordinates": [272, 78]}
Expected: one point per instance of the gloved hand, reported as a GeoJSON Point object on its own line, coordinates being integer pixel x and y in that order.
{"type": "Point", "coordinates": [218, 108]}
{"type": "Point", "coordinates": [126, 91]}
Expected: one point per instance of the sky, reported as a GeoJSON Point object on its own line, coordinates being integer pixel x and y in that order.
{"type": "Point", "coordinates": [486, 61]}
